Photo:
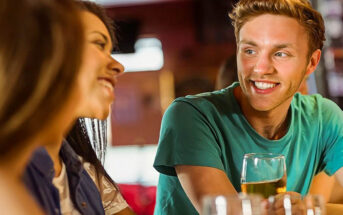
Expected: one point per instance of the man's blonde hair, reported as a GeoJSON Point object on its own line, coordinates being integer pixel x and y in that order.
{"type": "Point", "coordinates": [301, 10]}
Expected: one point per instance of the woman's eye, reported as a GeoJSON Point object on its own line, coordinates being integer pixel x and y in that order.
{"type": "Point", "coordinates": [100, 44]}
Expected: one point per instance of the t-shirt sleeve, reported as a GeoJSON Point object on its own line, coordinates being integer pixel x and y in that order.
{"type": "Point", "coordinates": [186, 138]}
{"type": "Point", "coordinates": [111, 198]}
{"type": "Point", "coordinates": [332, 137]}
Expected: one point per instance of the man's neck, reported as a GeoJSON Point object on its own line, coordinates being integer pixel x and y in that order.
{"type": "Point", "coordinates": [272, 125]}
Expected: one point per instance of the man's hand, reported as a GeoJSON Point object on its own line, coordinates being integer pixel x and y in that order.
{"type": "Point", "coordinates": [199, 181]}
{"type": "Point", "coordinates": [286, 203]}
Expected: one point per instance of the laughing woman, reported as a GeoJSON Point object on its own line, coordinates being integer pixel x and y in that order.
{"type": "Point", "coordinates": [79, 184]}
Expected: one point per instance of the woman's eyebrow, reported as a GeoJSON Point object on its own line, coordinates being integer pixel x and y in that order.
{"type": "Point", "coordinates": [103, 35]}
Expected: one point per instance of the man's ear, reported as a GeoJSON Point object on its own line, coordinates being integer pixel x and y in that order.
{"type": "Point", "coordinates": [313, 62]}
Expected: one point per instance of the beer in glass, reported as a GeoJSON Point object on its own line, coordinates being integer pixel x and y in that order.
{"type": "Point", "coordinates": [264, 174]}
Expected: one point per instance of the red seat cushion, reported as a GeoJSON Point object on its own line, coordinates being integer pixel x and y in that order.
{"type": "Point", "coordinates": [140, 198]}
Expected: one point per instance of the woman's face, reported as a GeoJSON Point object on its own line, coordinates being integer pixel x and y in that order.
{"type": "Point", "coordinates": [99, 70]}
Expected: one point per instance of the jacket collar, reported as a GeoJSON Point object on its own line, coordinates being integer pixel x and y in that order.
{"type": "Point", "coordinates": [41, 161]}
{"type": "Point", "coordinates": [70, 158]}
{"type": "Point", "coordinates": [44, 164]}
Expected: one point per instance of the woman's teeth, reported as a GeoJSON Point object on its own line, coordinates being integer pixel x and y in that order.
{"type": "Point", "coordinates": [106, 84]}
{"type": "Point", "coordinates": [264, 85]}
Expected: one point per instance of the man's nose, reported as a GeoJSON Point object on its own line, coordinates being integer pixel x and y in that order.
{"type": "Point", "coordinates": [263, 64]}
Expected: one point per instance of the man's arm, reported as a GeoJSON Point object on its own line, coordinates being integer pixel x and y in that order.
{"type": "Point", "coordinates": [337, 194]}
{"type": "Point", "coordinates": [322, 184]}
{"type": "Point", "coordinates": [199, 181]}
{"type": "Point", "coordinates": [339, 176]}
{"type": "Point", "coordinates": [334, 209]}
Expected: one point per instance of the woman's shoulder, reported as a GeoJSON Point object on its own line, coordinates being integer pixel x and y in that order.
{"type": "Point", "coordinates": [14, 198]}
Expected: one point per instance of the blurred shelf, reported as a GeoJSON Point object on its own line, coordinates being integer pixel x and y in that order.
{"type": "Point", "coordinates": [338, 52]}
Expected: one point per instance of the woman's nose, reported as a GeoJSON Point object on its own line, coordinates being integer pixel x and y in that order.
{"type": "Point", "coordinates": [116, 67]}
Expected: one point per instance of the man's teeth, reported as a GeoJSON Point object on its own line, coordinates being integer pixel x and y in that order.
{"type": "Point", "coordinates": [264, 86]}
{"type": "Point", "coordinates": [106, 84]}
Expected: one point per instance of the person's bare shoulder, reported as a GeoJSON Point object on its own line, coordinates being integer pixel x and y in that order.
{"type": "Point", "coordinates": [15, 199]}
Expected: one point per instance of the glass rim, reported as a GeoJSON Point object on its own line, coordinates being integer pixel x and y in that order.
{"type": "Point", "coordinates": [261, 155]}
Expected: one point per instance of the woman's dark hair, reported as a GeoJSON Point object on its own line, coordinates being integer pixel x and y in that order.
{"type": "Point", "coordinates": [88, 137]}
{"type": "Point", "coordinates": [41, 44]}
{"type": "Point", "coordinates": [99, 11]}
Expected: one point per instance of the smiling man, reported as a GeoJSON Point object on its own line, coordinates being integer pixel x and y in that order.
{"type": "Point", "coordinates": [204, 137]}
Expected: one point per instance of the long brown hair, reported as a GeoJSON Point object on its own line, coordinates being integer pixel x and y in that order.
{"type": "Point", "coordinates": [41, 43]}
{"type": "Point", "coordinates": [301, 10]}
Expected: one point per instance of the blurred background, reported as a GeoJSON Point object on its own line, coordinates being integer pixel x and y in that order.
{"type": "Point", "coordinates": [172, 48]}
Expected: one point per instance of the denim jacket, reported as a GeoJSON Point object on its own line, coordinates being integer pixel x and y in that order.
{"type": "Point", "coordinates": [38, 178]}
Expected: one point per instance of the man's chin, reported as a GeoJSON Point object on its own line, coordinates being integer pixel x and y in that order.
{"type": "Point", "coordinates": [261, 107]}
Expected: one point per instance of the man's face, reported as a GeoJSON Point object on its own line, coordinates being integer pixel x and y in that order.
{"type": "Point", "coordinates": [272, 60]}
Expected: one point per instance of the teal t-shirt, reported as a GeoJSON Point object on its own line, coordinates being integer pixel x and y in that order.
{"type": "Point", "coordinates": [210, 130]}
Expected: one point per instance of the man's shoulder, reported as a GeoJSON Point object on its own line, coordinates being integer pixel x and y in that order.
{"type": "Point", "coordinates": [212, 99]}
{"type": "Point", "coordinates": [315, 102]}
{"type": "Point", "coordinates": [213, 95]}
{"type": "Point", "coordinates": [209, 106]}
{"type": "Point", "coordinates": [313, 98]}
{"type": "Point", "coordinates": [317, 108]}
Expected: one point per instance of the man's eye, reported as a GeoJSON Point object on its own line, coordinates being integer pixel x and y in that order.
{"type": "Point", "coordinates": [281, 54]}
{"type": "Point", "coordinates": [249, 51]}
